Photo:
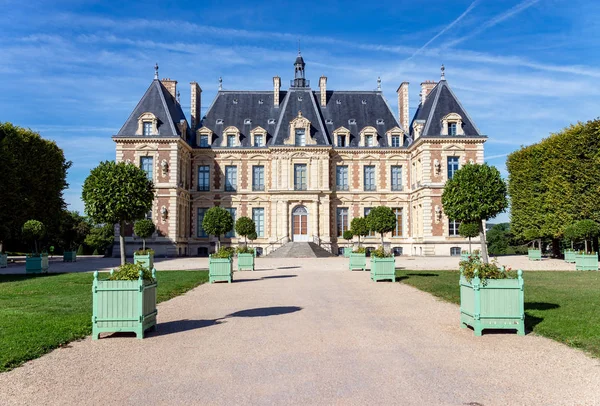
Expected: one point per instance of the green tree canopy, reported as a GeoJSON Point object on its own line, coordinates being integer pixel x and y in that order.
{"type": "Point", "coordinates": [144, 229]}
{"type": "Point", "coordinates": [74, 228]}
{"type": "Point", "coordinates": [586, 230]}
{"type": "Point", "coordinates": [101, 237]}
{"type": "Point", "coordinates": [347, 235]}
{"type": "Point", "coordinates": [116, 193]}
{"type": "Point", "coordinates": [33, 230]}
{"type": "Point", "coordinates": [381, 220]}
{"type": "Point", "coordinates": [359, 227]}
{"type": "Point", "coordinates": [217, 221]}
{"type": "Point", "coordinates": [245, 226]}
{"type": "Point", "coordinates": [468, 230]}
{"type": "Point", "coordinates": [474, 194]}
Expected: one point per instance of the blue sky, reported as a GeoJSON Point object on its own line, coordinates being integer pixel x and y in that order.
{"type": "Point", "coordinates": [74, 70]}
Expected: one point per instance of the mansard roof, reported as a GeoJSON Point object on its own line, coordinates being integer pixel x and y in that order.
{"type": "Point", "coordinates": [158, 101]}
{"type": "Point", "coordinates": [440, 102]}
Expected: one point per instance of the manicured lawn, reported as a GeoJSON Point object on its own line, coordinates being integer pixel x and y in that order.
{"type": "Point", "coordinates": [564, 306]}
{"type": "Point", "coordinates": [43, 312]}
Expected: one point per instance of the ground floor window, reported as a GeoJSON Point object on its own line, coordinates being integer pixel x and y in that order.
{"type": "Point", "coordinates": [259, 251]}
{"type": "Point", "coordinates": [455, 251]}
{"type": "Point", "coordinates": [202, 251]}
{"type": "Point", "coordinates": [342, 220]}
{"type": "Point", "coordinates": [397, 251]}
{"type": "Point", "coordinates": [258, 216]}
{"type": "Point", "coordinates": [231, 233]}
{"type": "Point", "coordinates": [200, 233]}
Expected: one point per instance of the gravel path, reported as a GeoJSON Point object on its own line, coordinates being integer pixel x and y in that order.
{"type": "Point", "coordinates": [308, 334]}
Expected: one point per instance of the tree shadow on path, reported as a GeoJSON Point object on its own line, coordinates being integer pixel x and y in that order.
{"type": "Point", "coordinates": [265, 277]}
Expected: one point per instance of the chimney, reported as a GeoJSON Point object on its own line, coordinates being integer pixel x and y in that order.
{"type": "Point", "coordinates": [171, 86]}
{"type": "Point", "coordinates": [426, 87]}
{"type": "Point", "coordinates": [403, 114]}
{"type": "Point", "coordinates": [323, 87]}
{"type": "Point", "coordinates": [196, 97]}
{"type": "Point", "coordinates": [276, 87]}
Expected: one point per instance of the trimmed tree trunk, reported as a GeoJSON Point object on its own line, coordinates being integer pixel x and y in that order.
{"type": "Point", "coordinates": [470, 251]}
{"type": "Point", "coordinates": [36, 250]}
{"type": "Point", "coordinates": [122, 241]}
{"type": "Point", "coordinates": [484, 253]}
{"type": "Point", "coordinates": [143, 244]}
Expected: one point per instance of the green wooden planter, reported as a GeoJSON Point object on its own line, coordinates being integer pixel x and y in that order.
{"type": "Point", "coordinates": [586, 262]}
{"type": "Point", "coordinates": [123, 306]}
{"type": "Point", "coordinates": [70, 256]}
{"type": "Point", "coordinates": [534, 255]}
{"type": "Point", "coordinates": [383, 268]}
{"type": "Point", "coordinates": [465, 257]}
{"type": "Point", "coordinates": [220, 269]}
{"type": "Point", "coordinates": [147, 260]}
{"type": "Point", "coordinates": [245, 261]}
{"type": "Point", "coordinates": [357, 261]}
{"type": "Point", "coordinates": [499, 304]}
{"type": "Point", "coordinates": [347, 252]}
{"type": "Point", "coordinates": [3, 260]}
{"type": "Point", "coordinates": [36, 264]}
{"type": "Point", "coordinates": [570, 256]}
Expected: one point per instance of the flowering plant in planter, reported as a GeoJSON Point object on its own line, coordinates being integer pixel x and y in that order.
{"type": "Point", "coordinates": [474, 265]}
{"type": "Point", "coordinates": [381, 253]}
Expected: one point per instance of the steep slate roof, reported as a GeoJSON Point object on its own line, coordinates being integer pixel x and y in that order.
{"type": "Point", "coordinates": [440, 102]}
{"type": "Point", "coordinates": [158, 101]}
{"type": "Point", "coordinates": [300, 99]}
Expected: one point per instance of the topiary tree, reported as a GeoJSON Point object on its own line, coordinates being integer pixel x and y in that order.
{"type": "Point", "coordinates": [359, 228]}
{"type": "Point", "coordinates": [144, 229]}
{"type": "Point", "coordinates": [245, 226]}
{"type": "Point", "coordinates": [570, 233]}
{"type": "Point", "coordinates": [586, 230]}
{"type": "Point", "coordinates": [217, 221]}
{"type": "Point", "coordinates": [33, 230]}
{"type": "Point", "coordinates": [117, 193]}
{"type": "Point", "coordinates": [468, 230]}
{"type": "Point", "coordinates": [474, 194]}
{"type": "Point", "coordinates": [381, 220]}
{"type": "Point", "coordinates": [4, 235]}
{"type": "Point", "coordinates": [101, 237]}
{"type": "Point", "coordinates": [347, 235]}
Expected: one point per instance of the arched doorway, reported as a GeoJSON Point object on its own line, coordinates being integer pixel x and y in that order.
{"type": "Point", "coordinates": [300, 224]}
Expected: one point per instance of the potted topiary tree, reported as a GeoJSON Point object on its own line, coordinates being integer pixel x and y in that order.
{"type": "Point", "coordinates": [217, 221]}
{"type": "Point", "coordinates": [587, 260]}
{"type": "Point", "coordinates": [144, 229]}
{"type": "Point", "coordinates": [491, 297]}
{"type": "Point", "coordinates": [468, 230]}
{"type": "Point", "coordinates": [4, 235]}
{"type": "Point", "coordinates": [348, 236]}
{"type": "Point", "coordinates": [383, 265]}
{"type": "Point", "coordinates": [245, 226]}
{"type": "Point", "coordinates": [358, 257]}
{"type": "Point", "coordinates": [132, 284]}
{"type": "Point", "coordinates": [33, 230]}
{"type": "Point", "coordinates": [570, 233]}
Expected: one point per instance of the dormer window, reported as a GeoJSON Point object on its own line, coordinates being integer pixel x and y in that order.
{"type": "Point", "coordinates": [452, 125]}
{"type": "Point", "coordinates": [259, 140]}
{"type": "Point", "coordinates": [203, 141]}
{"type": "Point", "coordinates": [329, 121]}
{"type": "Point", "coordinates": [452, 128]}
{"type": "Point", "coordinates": [247, 121]}
{"type": "Point", "coordinates": [219, 121]}
{"type": "Point", "coordinates": [352, 121]}
{"type": "Point", "coordinates": [300, 137]}
{"type": "Point", "coordinates": [363, 101]}
{"type": "Point", "coordinates": [231, 140]}
{"type": "Point", "coordinates": [368, 137]}
{"type": "Point", "coordinates": [271, 121]}
{"type": "Point", "coordinates": [396, 141]}
{"type": "Point", "coordinates": [341, 140]}
{"type": "Point", "coordinates": [338, 101]}
{"type": "Point", "coordinates": [230, 137]}
{"type": "Point", "coordinates": [368, 140]}
{"type": "Point", "coordinates": [147, 128]}
{"type": "Point", "coordinates": [147, 125]}
{"type": "Point", "coordinates": [380, 121]}
{"type": "Point", "coordinates": [235, 101]}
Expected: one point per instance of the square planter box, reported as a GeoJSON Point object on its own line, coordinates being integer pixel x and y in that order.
{"type": "Point", "coordinates": [586, 262]}
{"type": "Point", "coordinates": [220, 269]}
{"type": "Point", "coordinates": [36, 264]}
{"type": "Point", "coordinates": [570, 256]}
{"type": "Point", "coordinates": [147, 260]}
{"type": "Point", "coordinates": [357, 261]}
{"type": "Point", "coordinates": [383, 268]}
{"type": "Point", "coordinates": [534, 255]}
{"type": "Point", "coordinates": [465, 257]}
{"type": "Point", "coordinates": [70, 256]}
{"type": "Point", "coordinates": [3, 260]}
{"type": "Point", "coordinates": [347, 251]}
{"type": "Point", "coordinates": [245, 261]}
{"type": "Point", "coordinates": [123, 306]}
{"type": "Point", "coordinates": [498, 305]}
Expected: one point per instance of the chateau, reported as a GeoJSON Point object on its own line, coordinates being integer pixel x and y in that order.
{"type": "Point", "coordinates": [301, 163]}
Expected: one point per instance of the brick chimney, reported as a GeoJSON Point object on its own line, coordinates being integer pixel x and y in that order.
{"type": "Point", "coordinates": [276, 87]}
{"type": "Point", "coordinates": [196, 97]}
{"type": "Point", "coordinates": [171, 86]}
{"type": "Point", "coordinates": [426, 87]}
{"type": "Point", "coordinates": [323, 87]}
{"type": "Point", "coordinates": [403, 114]}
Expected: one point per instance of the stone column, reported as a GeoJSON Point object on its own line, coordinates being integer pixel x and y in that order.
{"type": "Point", "coordinates": [285, 217]}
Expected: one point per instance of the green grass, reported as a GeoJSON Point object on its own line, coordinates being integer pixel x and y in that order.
{"type": "Point", "coordinates": [42, 312]}
{"type": "Point", "coordinates": [564, 306]}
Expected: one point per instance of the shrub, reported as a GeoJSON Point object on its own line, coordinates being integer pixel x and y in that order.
{"type": "Point", "coordinates": [245, 250]}
{"type": "Point", "coordinates": [347, 235]}
{"type": "Point", "coordinates": [145, 251]}
{"type": "Point", "coordinates": [360, 250]}
{"type": "Point", "coordinates": [130, 272]}
{"type": "Point", "coordinates": [380, 253]}
{"type": "Point", "coordinates": [484, 270]}
{"type": "Point", "coordinates": [224, 252]}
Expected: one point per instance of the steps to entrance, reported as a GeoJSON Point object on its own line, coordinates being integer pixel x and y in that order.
{"type": "Point", "coordinates": [299, 250]}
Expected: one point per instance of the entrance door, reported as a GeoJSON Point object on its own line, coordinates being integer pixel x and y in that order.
{"type": "Point", "coordinates": [300, 224]}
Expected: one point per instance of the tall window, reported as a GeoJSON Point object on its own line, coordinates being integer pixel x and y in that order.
{"type": "Point", "coordinates": [231, 178]}
{"type": "Point", "coordinates": [396, 141]}
{"type": "Point", "coordinates": [204, 141]}
{"type": "Point", "coordinates": [397, 232]}
{"type": "Point", "coordinates": [258, 216]}
{"type": "Point", "coordinates": [258, 178]}
{"type": "Point", "coordinates": [452, 166]}
{"type": "Point", "coordinates": [341, 140]}
{"type": "Point", "coordinates": [300, 177]}
{"type": "Point", "coordinates": [396, 177]}
{"type": "Point", "coordinates": [341, 177]}
{"type": "Point", "coordinates": [259, 141]}
{"type": "Point", "coordinates": [200, 233]}
{"type": "Point", "coordinates": [300, 137]}
{"type": "Point", "coordinates": [342, 220]}
{"type": "Point", "coordinates": [204, 178]}
{"type": "Point", "coordinates": [453, 228]}
{"type": "Point", "coordinates": [367, 211]}
{"type": "Point", "coordinates": [231, 140]}
{"type": "Point", "coordinates": [231, 233]}
{"type": "Point", "coordinates": [452, 128]}
{"type": "Point", "coordinates": [147, 128]}
{"type": "Point", "coordinates": [146, 165]}
{"type": "Point", "coordinates": [369, 175]}
{"type": "Point", "coordinates": [368, 140]}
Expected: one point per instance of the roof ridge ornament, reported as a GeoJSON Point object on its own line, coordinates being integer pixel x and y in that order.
{"type": "Point", "coordinates": [220, 83]}
{"type": "Point", "coordinates": [443, 69]}
{"type": "Point", "coordinates": [156, 71]}
{"type": "Point", "coordinates": [379, 83]}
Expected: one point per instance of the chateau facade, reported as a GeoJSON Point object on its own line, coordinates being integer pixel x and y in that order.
{"type": "Point", "coordinates": [301, 163]}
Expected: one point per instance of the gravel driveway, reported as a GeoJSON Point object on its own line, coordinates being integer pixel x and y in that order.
{"type": "Point", "coordinates": [308, 334]}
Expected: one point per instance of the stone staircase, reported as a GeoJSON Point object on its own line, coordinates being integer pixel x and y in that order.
{"type": "Point", "coordinates": [300, 250]}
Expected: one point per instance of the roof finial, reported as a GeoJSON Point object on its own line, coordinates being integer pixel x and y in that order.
{"type": "Point", "coordinates": [220, 83]}
{"type": "Point", "coordinates": [298, 46]}
{"type": "Point", "coordinates": [379, 83]}
{"type": "Point", "coordinates": [156, 71]}
{"type": "Point", "coordinates": [443, 73]}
